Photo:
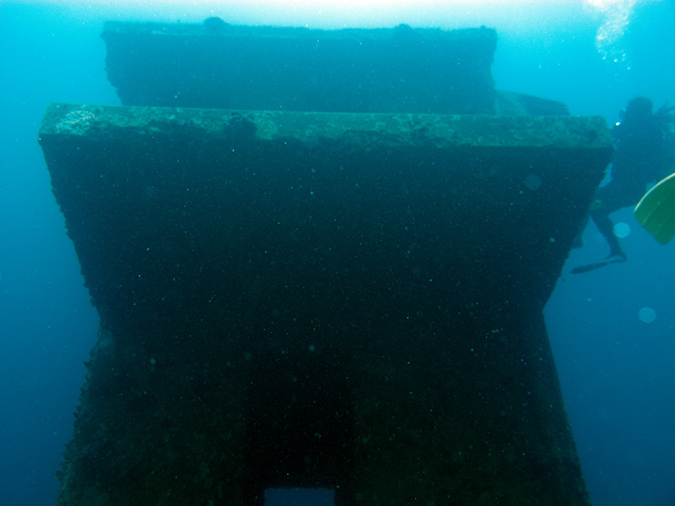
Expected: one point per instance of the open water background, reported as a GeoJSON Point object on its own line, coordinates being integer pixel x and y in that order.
{"type": "Point", "coordinates": [616, 370]}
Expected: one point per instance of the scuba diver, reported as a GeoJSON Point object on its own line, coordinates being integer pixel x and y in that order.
{"type": "Point", "coordinates": [644, 147]}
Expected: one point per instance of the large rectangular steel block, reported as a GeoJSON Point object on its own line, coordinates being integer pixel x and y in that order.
{"type": "Point", "coordinates": [350, 301]}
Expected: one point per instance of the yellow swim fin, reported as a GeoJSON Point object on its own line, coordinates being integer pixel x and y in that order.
{"type": "Point", "coordinates": [656, 210]}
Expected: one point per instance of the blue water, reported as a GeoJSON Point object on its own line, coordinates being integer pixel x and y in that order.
{"type": "Point", "coordinates": [616, 370]}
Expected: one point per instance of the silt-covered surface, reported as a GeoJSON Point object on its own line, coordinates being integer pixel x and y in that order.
{"type": "Point", "coordinates": [350, 301]}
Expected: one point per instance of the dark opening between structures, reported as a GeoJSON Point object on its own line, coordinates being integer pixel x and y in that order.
{"type": "Point", "coordinates": [299, 497]}
{"type": "Point", "coordinates": [299, 428]}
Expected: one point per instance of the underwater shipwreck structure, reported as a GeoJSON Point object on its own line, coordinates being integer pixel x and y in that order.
{"type": "Point", "coordinates": [320, 260]}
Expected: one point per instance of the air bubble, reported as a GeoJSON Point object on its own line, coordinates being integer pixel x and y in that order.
{"type": "Point", "coordinates": [622, 230]}
{"type": "Point", "coordinates": [647, 315]}
{"type": "Point", "coordinates": [532, 182]}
